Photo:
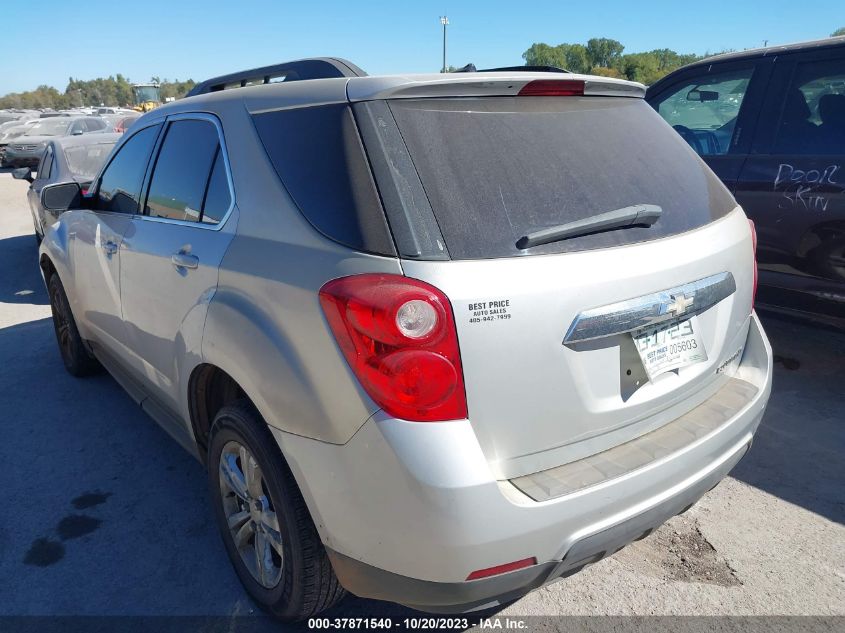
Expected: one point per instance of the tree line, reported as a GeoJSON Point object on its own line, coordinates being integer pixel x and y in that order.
{"type": "Point", "coordinates": [604, 56]}
{"type": "Point", "coordinates": [110, 91]}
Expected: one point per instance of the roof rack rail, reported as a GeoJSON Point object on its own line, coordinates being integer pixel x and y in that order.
{"type": "Point", "coordinates": [470, 68]}
{"type": "Point", "coordinates": [301, 69]}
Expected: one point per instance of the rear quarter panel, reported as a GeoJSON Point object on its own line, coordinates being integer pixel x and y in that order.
{"type": "Point", "coordinates": [265, 326]}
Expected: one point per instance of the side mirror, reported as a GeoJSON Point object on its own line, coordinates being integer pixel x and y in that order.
{"type": "Point", "coordinates": [77, 133]}
{"type": "Point", "coordinates": [23, 173]}
{"type": "Point", "coordinates": [702, 95]}
{"type": "Point", "coordinates": [61, 197]}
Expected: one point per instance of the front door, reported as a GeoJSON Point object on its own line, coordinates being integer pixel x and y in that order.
{"type": "Point", "coordinates": [714, 109]}
{"type": "Point", "coordinates": [33, 194]}
{"type": "Point", "coordinates": [95, 238]}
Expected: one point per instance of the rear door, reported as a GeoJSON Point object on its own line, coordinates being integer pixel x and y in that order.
{"type": "Point", "coordinates": [793, 184]}
{"type": "Point", "coordinates": [715, 109]}
{"type": "Point", "coordinates": [172, 251]}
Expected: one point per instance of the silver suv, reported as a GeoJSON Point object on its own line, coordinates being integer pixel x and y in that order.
{"type": "Point", "coordinates": [439, 339]}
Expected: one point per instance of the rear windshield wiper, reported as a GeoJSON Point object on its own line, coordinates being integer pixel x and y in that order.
{"type": "Point", "coordinates": [637, 215]}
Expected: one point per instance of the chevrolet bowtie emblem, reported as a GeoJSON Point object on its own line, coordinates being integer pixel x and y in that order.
{"type": "Point", "coordinates": [679, 304]}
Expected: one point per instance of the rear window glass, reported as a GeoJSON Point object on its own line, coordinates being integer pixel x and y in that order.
{"type": "Point", "coordinates": [319, 158]}
{"type": "Point", "coordinates": [84, 161]}
{"type": "Point", "coordinates": [498, 168]}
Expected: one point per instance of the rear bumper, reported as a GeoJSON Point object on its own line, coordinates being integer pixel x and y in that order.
{"type": "Point", "coordinates": [461, 597]}
{"type": "Point", "coordinates": [408, 510]}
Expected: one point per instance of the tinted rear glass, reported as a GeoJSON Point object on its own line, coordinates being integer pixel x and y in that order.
{"type": "Point", "coordinates": [84, 161]}
{"type": "Point", "coordinates": [319, 157]}
{"type": "Point", "coordinates": [496, 169]}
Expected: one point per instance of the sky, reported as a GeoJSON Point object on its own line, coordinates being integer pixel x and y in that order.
{"type": "Point", "coordinates": [48, 41]}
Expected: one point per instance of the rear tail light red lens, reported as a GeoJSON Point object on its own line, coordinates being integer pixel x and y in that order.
{"type": "Point", "coordinates": [502, 569]}
{"type": "Point", "coordinates": [754, 256]}
{"type": "Point", "coordinates": [553, 88]}
{"type": "Point", "coordinates": [398, 336]}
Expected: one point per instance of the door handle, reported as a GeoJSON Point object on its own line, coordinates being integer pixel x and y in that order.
{"type": "Point", "coordinates": [110, 247]}
{"type": "Point", "coordinates": [184, 260]}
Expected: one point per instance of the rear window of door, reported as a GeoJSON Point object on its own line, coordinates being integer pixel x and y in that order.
{"type": "Point", "coordinates": [498, 168]}
{"type": "Point", "coordinates": [120, 185]}
{"type": "Point", "coordinates": [813, 117]}
{"type": "Point", "coordinates": [704, 109]}
{"type": "Point", "coordinates": [184, 172]}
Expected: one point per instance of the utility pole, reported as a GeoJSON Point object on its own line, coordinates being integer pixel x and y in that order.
{"type": "Point", "coordinates": [445, 22]}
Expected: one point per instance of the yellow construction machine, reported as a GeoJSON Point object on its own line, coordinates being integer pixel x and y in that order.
{"type": "Point", "coordinates": [147, 96]}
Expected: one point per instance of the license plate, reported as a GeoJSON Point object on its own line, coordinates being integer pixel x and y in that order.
{"type": "Point", "coordinates": [670, 346]}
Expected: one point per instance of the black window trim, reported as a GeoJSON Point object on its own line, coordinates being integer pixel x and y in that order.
{"type": "Point", "coordinates": [145, 188]}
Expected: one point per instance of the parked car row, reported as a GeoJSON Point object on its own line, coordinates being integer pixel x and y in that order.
{"type": "Point", "coordinates": [72, 158]}
{"type": "Point", "coordinates": [24, 139]}
{"type": "Point", "coordinates": [437, 339]}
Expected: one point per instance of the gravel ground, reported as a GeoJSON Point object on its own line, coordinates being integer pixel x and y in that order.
{"type": "Point", "coordinates": [105, 515]}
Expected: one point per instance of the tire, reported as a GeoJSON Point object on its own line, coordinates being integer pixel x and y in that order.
{"type": "Point", "coordinates": [76, 357]}
{"type": "Point", "coordinates": [297, 580]}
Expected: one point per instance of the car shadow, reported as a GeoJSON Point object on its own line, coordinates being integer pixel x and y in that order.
{"type": "Point", "coordinates": [797, 452]}
{"type": "Point", "coordinates": [21, 281]}
{"type": "Point", "coordinates": [111, 516]}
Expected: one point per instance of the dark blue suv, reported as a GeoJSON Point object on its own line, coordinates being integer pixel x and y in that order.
{"type": "Point", "coordinates": [771, 123]}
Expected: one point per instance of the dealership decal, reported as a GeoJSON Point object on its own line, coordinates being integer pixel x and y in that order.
{"type": "Point", "coordinates": [489, 311]}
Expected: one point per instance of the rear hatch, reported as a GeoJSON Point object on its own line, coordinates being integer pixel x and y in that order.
{"type": "Point", "coordinates": [464, 178]}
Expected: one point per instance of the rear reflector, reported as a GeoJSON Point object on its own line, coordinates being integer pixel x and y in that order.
{"type": "Point", "coordinates": [502, 569]}
{"type": "Point", "coordinates": [754, 256]}
{"type": "Point", "coordinates": [553, 88]}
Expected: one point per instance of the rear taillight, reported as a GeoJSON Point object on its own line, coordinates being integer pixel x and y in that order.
{"type": "Point", "coordinates": [754, 259]}
{"type": "Point", "coordinates": [553, 88]}
{"type": "Point", "coordinates": [398, 336]}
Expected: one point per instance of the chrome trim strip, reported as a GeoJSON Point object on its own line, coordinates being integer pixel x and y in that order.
{"type": "Point", "coordinates": [650, 310]}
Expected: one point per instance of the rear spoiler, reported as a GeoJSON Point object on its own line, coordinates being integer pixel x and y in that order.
{"type": "Point", "coordinates": [470, 68]}
{"type": "Point", "coordinates": [489, 84]}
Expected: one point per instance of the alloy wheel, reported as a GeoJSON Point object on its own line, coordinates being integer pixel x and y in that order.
{"type": "Point", "coordinates": [61, 321]}
{"type": "Point", "coordinates": [250, 515]}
